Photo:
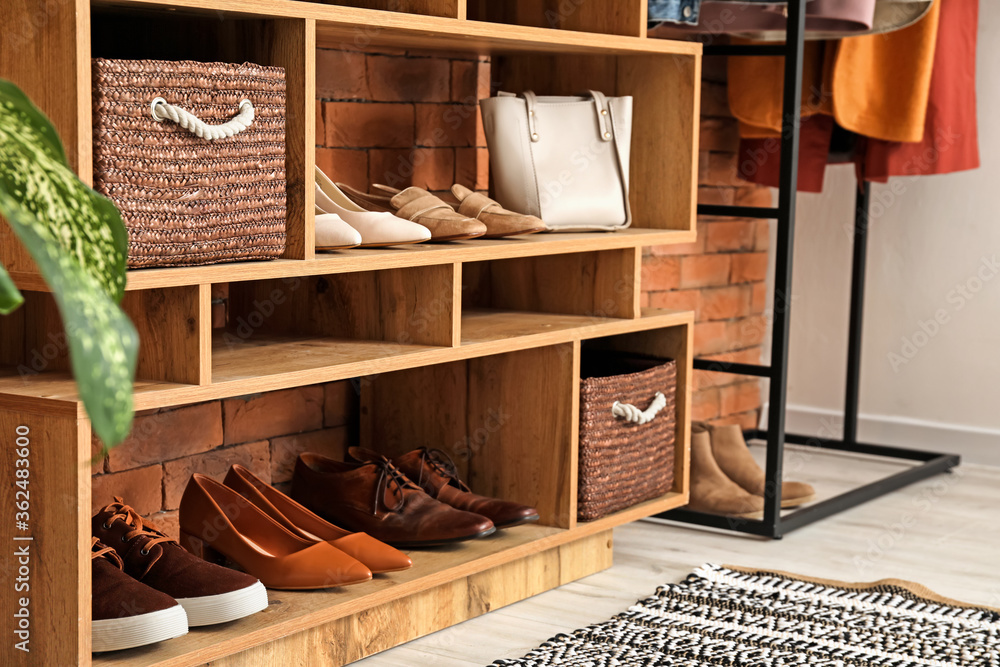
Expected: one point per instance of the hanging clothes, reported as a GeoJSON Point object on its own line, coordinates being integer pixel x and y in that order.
{"type": "Point", "coordinates": [926, 123]}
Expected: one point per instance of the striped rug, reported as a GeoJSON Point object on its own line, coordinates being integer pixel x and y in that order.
{"type": "Point", "coordinates": [732, 617]}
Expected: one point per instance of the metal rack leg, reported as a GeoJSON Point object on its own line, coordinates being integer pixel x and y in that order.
{"type": "Point", "coordinates": [856, 326]}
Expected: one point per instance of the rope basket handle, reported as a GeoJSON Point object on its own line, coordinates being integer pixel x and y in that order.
{"type": "Point", "coordinates": [635, 415]}
{"type": "Point", "coordinates": [162, 110]}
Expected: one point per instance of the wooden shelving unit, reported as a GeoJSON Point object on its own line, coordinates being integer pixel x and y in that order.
{"type": "Point", "coordinates": [439, 335]}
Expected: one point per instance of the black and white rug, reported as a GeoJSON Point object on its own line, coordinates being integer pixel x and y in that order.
{"type": "Point", "coordinates": [720, 616]}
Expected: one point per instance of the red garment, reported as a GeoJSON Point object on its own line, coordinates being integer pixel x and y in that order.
{"type": "Point", "coordinates": [950, 140]}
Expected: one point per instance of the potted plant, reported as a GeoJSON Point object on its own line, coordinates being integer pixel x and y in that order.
{"type": "Point", "coordinates": [78, 241]}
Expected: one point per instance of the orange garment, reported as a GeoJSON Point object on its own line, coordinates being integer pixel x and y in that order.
{"type": "Point", "coordinates": [874, 85]}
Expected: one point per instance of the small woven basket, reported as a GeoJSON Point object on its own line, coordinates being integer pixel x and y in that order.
{"type": "Point", "coordinates": [622, 461]}
{"type": "Point", "coordinates": [187, 200]}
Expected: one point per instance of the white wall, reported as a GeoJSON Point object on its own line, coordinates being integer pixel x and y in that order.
{"type": "Point", "coordinates": [925, 384]}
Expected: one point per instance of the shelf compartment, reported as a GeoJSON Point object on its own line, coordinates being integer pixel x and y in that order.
{"type": "Point", "coordinates": [486, 413]}
{"type": "Point", "coordinates": [597, 284]}
{"type": "Point", "coordinates": [614, 17]}
{"type": "Point", "coordinates": [158, 34]}
{"type": "Point", "coordinates": [411, 306]}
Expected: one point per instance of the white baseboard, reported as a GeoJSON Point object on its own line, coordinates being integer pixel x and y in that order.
{"type": "Point", "coordinates": [974, 444]}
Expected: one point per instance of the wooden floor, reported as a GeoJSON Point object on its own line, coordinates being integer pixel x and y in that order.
{"type": "Point", "coordinates": [942, 533]}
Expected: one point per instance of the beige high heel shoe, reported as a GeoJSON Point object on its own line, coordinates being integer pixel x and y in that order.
{"type": "Point", "coordinates": [418, 205]}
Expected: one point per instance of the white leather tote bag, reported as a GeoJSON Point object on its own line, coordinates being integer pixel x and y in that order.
{"type": "Point", "coordinates": [563, 159]}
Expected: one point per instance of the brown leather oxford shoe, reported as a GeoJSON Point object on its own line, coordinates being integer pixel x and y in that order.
{"type": "Point", "coordinates": [435, 473]}
{"type": "Point", "coordinates": [376, 498]}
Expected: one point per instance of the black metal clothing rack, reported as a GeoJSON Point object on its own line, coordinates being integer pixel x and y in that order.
{"type": "Point", "coordinates": [774, 525]}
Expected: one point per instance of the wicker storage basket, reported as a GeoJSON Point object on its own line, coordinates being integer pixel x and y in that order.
{"type": "Point", "coordinates": [187, 200]}
{"type": "Point", "coordinates": [623, 462]}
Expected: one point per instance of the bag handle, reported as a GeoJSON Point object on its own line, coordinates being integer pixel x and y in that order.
{"type": "Point", "coordinates": [603, 110]}
{"type": "Point", "coordinates": [162, 110]}
{"type": "Point", "coordinates": [637, 416]}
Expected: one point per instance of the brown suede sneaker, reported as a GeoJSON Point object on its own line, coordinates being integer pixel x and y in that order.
{"type": "Point", "coordinates": [376, 498]}
{"type": "Point", "coordinates": [435, 473]}
{"type": "Point", "coordinates": [127, 613]}
{"type": "Point", "coordinates": [209, 593]}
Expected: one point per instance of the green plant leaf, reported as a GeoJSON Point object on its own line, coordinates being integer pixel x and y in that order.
{"type": "Point", "coordinates": [10, 298]}
{"type": "Point", "coordinates": [79, 243]}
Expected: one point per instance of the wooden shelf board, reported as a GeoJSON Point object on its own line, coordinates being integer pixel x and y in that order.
{"type": "Point", "coordinates": [348, 261]}
{"type": "Point", "coordinates": [291, 612]}
{"type": "Point", "coordinates": [339, 27]}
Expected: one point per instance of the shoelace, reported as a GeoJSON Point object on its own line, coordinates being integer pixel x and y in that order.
{"type": "Point", "coordinates": [440, 461]}
{"type": "Point", "coordinates": [104, 551]}
{"type": "Point", "coordinates": [123, 512]}
{"type": "Point", "coordinates": [390, 475]}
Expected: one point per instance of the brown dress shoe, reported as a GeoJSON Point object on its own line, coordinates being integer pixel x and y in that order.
{"type": "Point", "coordinates": [209, 594]}
{"type": "Point", "coordinates": [499, 221]}
{"type": "Point", "coordinates": [734, 458]}
{"type": "Point", "coordinates": [435, 473]}
{"type": "Point", "coordinates": [378, 499]}
{"type": "Point", "coordinates": [711, 491]}
{"type": "Point", "coordinates": [377, 556]}
{"type": "Point", "coordinates": [420, 206]}
{"type": "Point", "coordinates": [125, 612]}
{"type": "Point", "coordinates": [215, 520]}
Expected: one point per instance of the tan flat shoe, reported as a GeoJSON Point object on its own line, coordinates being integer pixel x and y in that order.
{"type": "Point", "coordinates": [736, 461]}
{"type": "Point", "coordinates": [418, 205]}
{"type": "Point", "coordinates": [499, 221]}
{"type": "Point", "coordinates": [377, 556]}
{"type": "Point", "coordinates": [711, 491]}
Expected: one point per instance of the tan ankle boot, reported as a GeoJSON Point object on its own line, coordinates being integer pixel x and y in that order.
{"type": "Point", "coordinates": [733, 456]}
{"type": "Point", "coordinates": [711, 491]}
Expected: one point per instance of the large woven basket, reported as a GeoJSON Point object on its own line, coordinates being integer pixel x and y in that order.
{"type": "Point", "coordinates": [187, 200]}
{"type": "Point", "coordinates": [623, 462]}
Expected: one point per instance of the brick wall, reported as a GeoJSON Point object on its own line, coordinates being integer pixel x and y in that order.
{"type": "Point", "coordinates": [400, 118]}
{"type": "Point", "coordinates": [264, 432]}
{"type": "Point", "coordinates": [722, 275]}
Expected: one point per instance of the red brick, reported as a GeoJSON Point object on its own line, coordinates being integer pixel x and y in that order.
{"type": "Point", "coordinates": [746, 332]}
{"type": "Point", "coordinates": [171, 434]}
{"type": "Point", "coordinates": [705, 404]}
{"type": "Point", "coordinates": [729, 236]}
{"type": "Point", "coordinates": [448, 125]}
{"type": "Point", "coordinates": [725, 303]}
{"type": "Point", "coordinates": [254, 455]}
{"type": "Point", "coordinates": [344, 165]}
{"type": "Point", "coordinates": [142, 488]}
{"type": "Point", "coordinates": [660, 273]}
{"type": "Point", "coordinates": [470, 81]}
{"type": "Point", "coordinates": [167, 523]}
{"type": "Point", "coordinates": [262, 416]}
{"type": "Point", "coordinates": [644, 299]}
{"type": "Point", "coordinates": [762, 235]}
{"type": "Point", "coordinates": [340, 403]}
{"type": "Point", "coordinates": [740, 397]}
{"type": "Point", "coordinates": [341, 75]}
{"type": "Point", "coordinates": [717, 379]}
{"type": "Point", "coordinates": [719, 134]}
{"type": "Point", "coordinates": [710, 337]}
{"type": "Point", "coordinates": [430, 168]}
{"type": "Point", "coordinates": [716, 195]}
{"type": "Point", "coordinates": [472, 168]}
{"type": "Point", "coordinates": [360, 125]}
{"type": "Point", "coordinates": [704, 270]}
{"type": "Point", "coordinates": [719, 169]}
{"type": "Point", "coordinates": [746, 420]}
{"type": "Point", "coordinates": [714, 100]}
{"type": "Point", "coordinates": [394, 79]}
{"type": "Point", "coordinates": [332, 442]}
{"type": "Point", "coordinates": [677, 299]}
{"type": "Point", "coordinates": [754, 195]}
{"type": "Point", "coordinates": [758, 298]}
{"type": "Point", "coordinates": [749, 268]}
{"type": "Point", "coordinates": [695, 248]}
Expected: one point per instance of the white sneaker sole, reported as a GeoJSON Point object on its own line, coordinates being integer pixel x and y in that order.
{"type": "Point", "coordinates": [212, 609]}
{"type": "Point", "coordinates": [115, 634]}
